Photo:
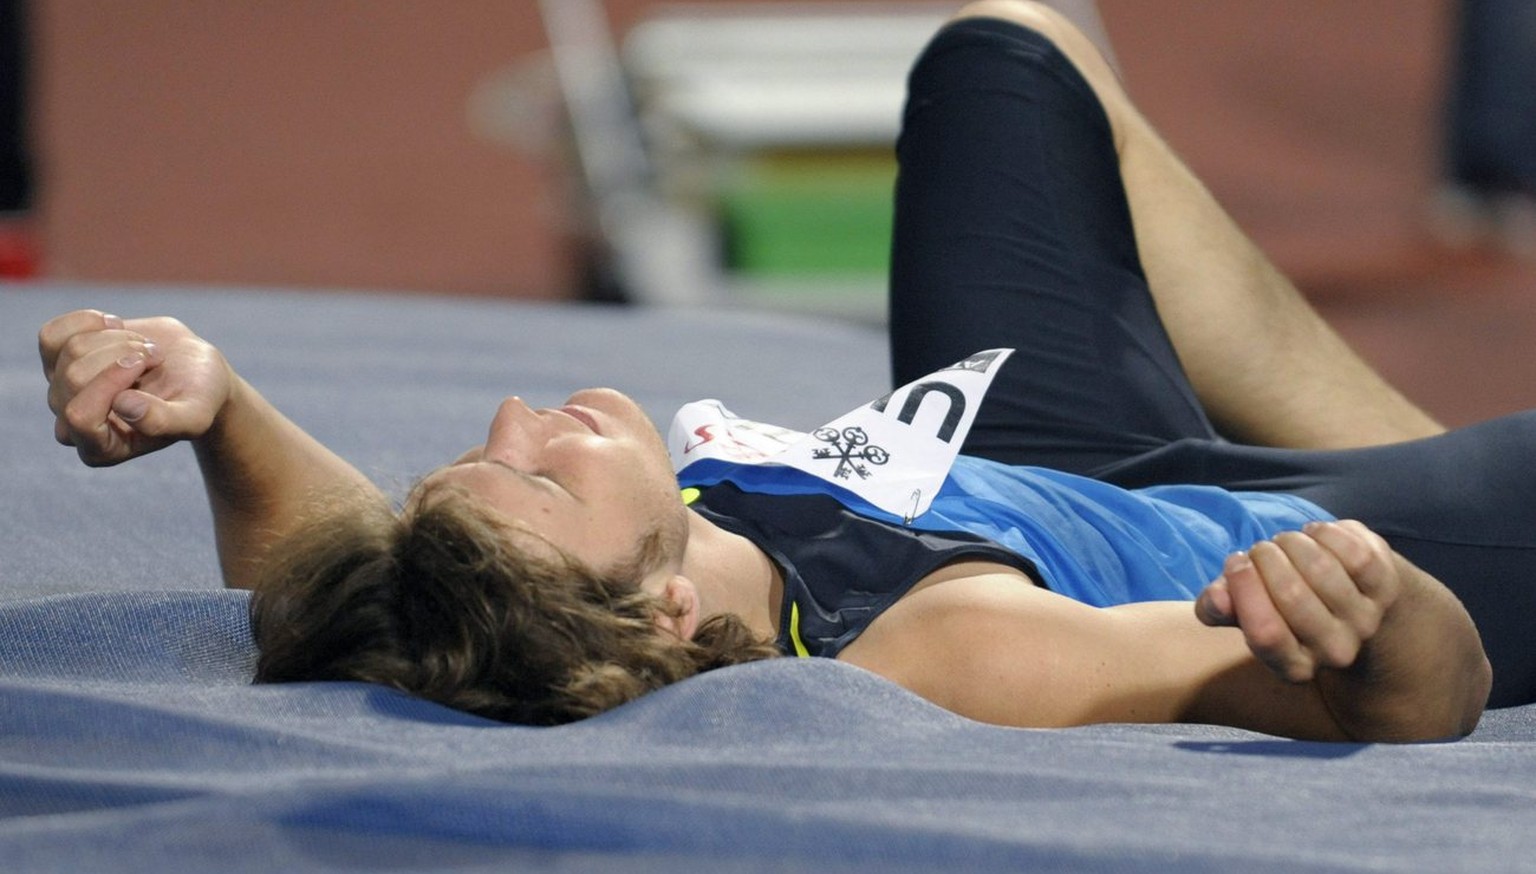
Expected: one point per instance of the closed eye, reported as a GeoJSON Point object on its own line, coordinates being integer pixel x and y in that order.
{"type": "Point", "coordinates": [538, 480]}
{"type": "Point", "coordinates": [530, 480]}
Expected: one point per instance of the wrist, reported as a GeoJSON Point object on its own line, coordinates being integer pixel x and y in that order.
{"type": "Point", "coordinates": [231, 415]}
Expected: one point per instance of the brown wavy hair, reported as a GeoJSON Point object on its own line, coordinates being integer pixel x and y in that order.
{"type": "Point", "coordinates": [446, 601]}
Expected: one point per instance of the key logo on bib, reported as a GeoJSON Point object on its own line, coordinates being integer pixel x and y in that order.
{"type": "Point", "coordinates": [848, 447]}
{"type": "Point", "coordinates": [893, 452]}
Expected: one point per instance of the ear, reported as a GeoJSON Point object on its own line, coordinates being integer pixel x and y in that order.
{"type": "Point", "coordinates": [681, 593]}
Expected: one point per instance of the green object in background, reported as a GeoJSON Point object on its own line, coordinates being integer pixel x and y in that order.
{"type": "Point", "coordinates": [824, 213]}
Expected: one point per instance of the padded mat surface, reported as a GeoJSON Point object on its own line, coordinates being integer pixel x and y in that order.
{"type": "Point", "coordinates": [130, 739]}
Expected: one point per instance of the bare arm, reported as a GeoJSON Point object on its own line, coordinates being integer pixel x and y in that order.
{"type": "Point", "coordinates": [1391, 651]}
{"type": "Point", "coordinates": [999, 650]}
{"type": "Point", "coordinates": [120, 390]}
{"type": "Point", "coordinates": [264, 476]}
{"type": "Point", "coordinates": [996, 649]}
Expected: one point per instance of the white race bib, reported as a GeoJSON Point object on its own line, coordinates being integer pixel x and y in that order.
{"type": "Point", "coordinates": [893, 452]}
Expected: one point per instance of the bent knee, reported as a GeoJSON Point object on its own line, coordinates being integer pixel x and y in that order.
{"type": "Point", "coordinates": [1071, 41]}
{"type": "Point", "coordinates": [1035, 16]}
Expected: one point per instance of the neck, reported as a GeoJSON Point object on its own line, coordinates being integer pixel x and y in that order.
{"type": "Point", "coordinates": [732, 576]}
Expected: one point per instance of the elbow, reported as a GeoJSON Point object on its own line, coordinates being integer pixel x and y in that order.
{"type": "Point", "coordinates": [1469, 698]}
{"type": "Point", "coordinates": [1478, 689]}
{"type": "Point", "coordinates": [1450, 714]}
{"type": "Point", "coordinates": [1442, 693]}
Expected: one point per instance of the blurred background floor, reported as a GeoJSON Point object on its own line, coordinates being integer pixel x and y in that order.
{"type": "Point", "coordinates": [1460, 338]}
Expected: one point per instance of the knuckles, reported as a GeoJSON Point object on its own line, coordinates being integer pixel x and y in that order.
{"type": "Point", "coordinates": [58, 330]}
{"type": "Point", "coordinates": [92, 459]}
{"type": "Point", "coordinates": [78, 421]}
{"type": "Point", "coordinates": [1295, 667]}
{"type": "Point", "coordinates": [1291, 566]}
{"type": "Point", "coordinates": [74, 377]}
{"type": "Point", "coordinates": [1299, 671]}
{"type": "Point", "coordinates": [1289, 592]}
{"type": "Point", "coordinates": [1269, 635]}
{"type": "Point", "coordinates": [1339, 652]}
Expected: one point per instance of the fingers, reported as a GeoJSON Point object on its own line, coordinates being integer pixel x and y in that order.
{"type": "Point", "coordinates": [1264, 626]}
{"type": "Point", "coordinates": [1313, 600]}
{"type": "Point", "coordinates": [87, 357]}
{"type": "Point", "coordinates": [86, 420]}
{"type": "Point", "coordinates": [157, 421]}
{"type": "Point", "coordinates": [1214, 605]}
{"type": "Point", "coordinates": [1306, 600]}
{"type": "Point", "coordinates": [119, 389]}
{"type": "Point", "coordinates": [89, 372]}
{"type": "Point", "coordinates": [53, 336]}
{"type": "Point", "coordinates": [1365, 555]}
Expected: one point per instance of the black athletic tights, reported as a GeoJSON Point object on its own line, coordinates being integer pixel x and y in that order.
{"type": "Point", "coordinates": [1012, 229]}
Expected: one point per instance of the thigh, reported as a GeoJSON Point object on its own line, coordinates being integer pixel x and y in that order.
{"type": "Point", "coordinates": [1463, 507]}
{"type": "Point", "coordinates": [1012, 230]}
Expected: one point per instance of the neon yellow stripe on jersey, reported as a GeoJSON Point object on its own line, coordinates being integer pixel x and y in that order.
{"type": "Point", "coordinates": [690, 495]}
{"type": "Point", "coordinates": [794, 631]}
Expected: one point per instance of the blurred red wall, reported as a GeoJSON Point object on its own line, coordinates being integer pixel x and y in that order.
{"type": "Point", "coordinates": [308, 142]}
{"type": "Point", "coordinates": [330, 143]}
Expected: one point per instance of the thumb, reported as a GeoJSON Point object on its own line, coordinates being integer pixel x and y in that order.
{"type": "Point", "coordinates": [131, 406]}
{"type": "Point", "coordinates": [1214, 605]}
{"type": "Point", "coordinates": [151, 416]}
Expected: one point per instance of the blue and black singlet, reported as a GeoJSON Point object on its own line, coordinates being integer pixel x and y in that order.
{"type": "Point", "coordinates": [844, 561]}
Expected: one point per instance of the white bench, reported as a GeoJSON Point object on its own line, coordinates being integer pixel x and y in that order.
{"type": "Point", "coordinates": [696, 90]}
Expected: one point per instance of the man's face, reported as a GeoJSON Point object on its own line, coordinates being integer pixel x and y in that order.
{"type": "Point", "coordinates": [592, 478]}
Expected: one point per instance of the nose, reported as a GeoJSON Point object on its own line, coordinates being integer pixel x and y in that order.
{"type": "Point", "coordinates": [514, 436]}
